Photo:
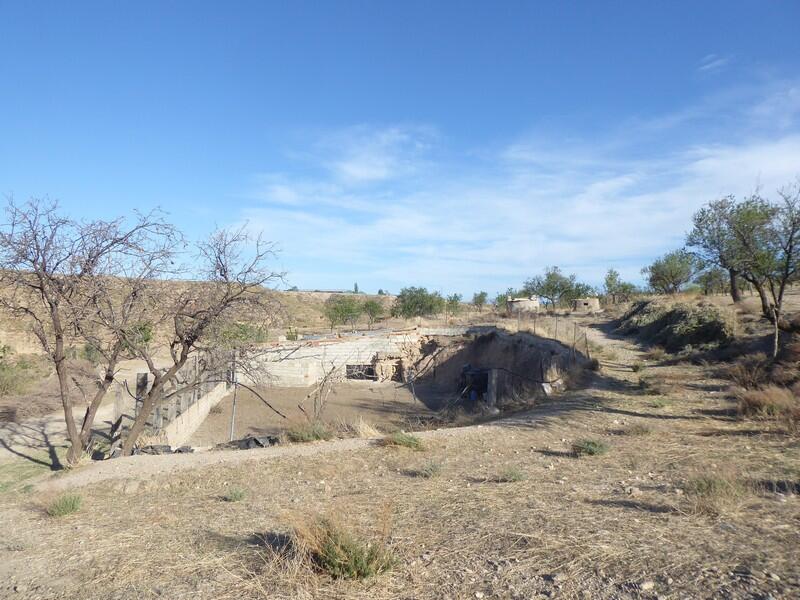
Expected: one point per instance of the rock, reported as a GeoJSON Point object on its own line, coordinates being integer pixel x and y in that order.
{"type": "Point", "coordinates": [479, 594]}
{"type": "Point", "coordinates": [774, 577]}
{"type": "Point", "coordinates": [646, 586]}
{"type": "Point", "coordinates": [559, 577]}
{"type": "Point", "coordinates": [633, 491]}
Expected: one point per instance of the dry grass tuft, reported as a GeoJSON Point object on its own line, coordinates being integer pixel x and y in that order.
{"type": "Point", "coordinates": [589, 448]}
{"type": "Point", "coordinates": [637, 429]}
{"type": "Point", "coordinates": [716, 493]}
{"type": "Point", "coordinates": [750, 372]}
{"type": "Point", "coordinates": [309, 432]}
{"type": "Point", "coordinates": [359, 428]}
{"type": "Point", "coordinates": [400, 438]}
{"type": "Point", "coordinates": [772, 402]}
{"type": "Point", "coordinates": [429, 470]}
{"type": "Point", "coordinates": [655, 353]}
{"type": "Point", "coordinates": [341, 554]}
{"type": "Point", "coordinates": [510, 475]}
{"type": "Point", "coordinates": [235, 494]}
{"type": "Point", "coordinates": [64, 505]}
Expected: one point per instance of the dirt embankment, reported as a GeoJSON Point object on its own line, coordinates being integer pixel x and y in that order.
{"type": "Point", "coordinates": [678, 326]}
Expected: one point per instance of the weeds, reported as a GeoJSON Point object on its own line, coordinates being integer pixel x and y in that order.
{"type": "Point", "coordinates": [715, 493]}
{"type": "Point", "coordinates": [649, 385]}
{"type": "Point", "coordinates": [772, 402]}
{"type": "Point", "coordinates": [406, 440]}
{"type": "Point", "coordinates": [235, 494]}
{"type": "Point", "coordinates": [656, 353]}
{"type": "Point", "coordinates": [65, 504]}
{"type": "Point", "coordinates": [659, 403]}
{"type": "Point", "coordinates": [309, 432]}
{"type": "Point", "coordinates": [427, 471]}
{"type": "Point", "coordinates": [637, 366]}
{"type": "Point", "coordinates": [511, 475]}
{"type": "Point", "coordinates": [339, 553]}
{"type": "Point", "coordinates": [589, 448]}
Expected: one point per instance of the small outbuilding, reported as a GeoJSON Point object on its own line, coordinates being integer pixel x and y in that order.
{"type": "Point", "coordinates": [516, 306]}
{"type": "Point", "coordinates": [586, 305]}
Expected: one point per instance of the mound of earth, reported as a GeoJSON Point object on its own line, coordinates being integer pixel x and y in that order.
{"type": "Point", "coordinates": [677, 326]}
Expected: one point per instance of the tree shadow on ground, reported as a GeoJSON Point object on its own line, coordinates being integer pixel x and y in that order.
{"type": "Point", "coordinates": [27, 440]}
{"type": "Point", "coordinates": [634, 505]}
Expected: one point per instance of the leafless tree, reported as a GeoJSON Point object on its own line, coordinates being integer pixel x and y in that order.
{"type": "Point", "coordinates": [50, 271]}
{"type": "Point", "coordinates": [230, 282]}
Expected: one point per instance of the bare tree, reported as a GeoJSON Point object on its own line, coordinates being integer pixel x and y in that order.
{"type": "Point", "coordinates": [50, 266]}
{"type": "Point", "coordinates": [230, 282]}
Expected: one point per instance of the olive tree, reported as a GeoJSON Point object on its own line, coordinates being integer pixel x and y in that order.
{"type": "Point", "coordinates": [669, 273]}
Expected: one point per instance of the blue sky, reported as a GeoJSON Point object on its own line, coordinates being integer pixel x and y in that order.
{"type": "Point", "coordinates": [455, 145]}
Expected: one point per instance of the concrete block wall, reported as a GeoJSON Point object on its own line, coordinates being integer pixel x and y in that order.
{"type": "Point", "coordinates": [184, 425]}
{"type": "Point", "coordinates": [302, 364]}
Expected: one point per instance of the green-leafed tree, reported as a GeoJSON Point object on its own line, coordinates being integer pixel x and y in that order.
{"type": "Point", "coordinates": [373, 311]}
{"type": "Point", "coordinates": [417, 302]}
{"type": "Point", "coordinates": [479, 300]}
{"type": "Point", "coordinates": [556, 288]}
{"type": "Point", "coordinates": [341, 310]}
{"type": "Point", "coordinates": [713, 281]}
{"type": "Point", "coordinates": [453, 306]}
{"type": "Point", "coordinates": [617, 290]}
{"type": "Point", "coordinates": [669, 273]}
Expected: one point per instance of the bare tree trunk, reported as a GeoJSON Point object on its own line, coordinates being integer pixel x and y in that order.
{"type": "Point", "coordinates": [139, 423]}
{"type": "Point", "coordinates": [74, 453]}
{"type": "Point", "coordinates": [736, 294]}
{"type": "Point", "coordinates": [91, 410]}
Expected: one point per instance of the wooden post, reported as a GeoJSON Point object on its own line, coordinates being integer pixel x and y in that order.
{"type": "Point", "coordinates": [556, 335]}
{"type": "Point", "coordinates": [775, 346]}
{"type": "Point", "coordinates": [535, 315]}
{"type": "Point", "coordinates": [586, 339]}
{"type": "Point", "coordinates": [235, 389]}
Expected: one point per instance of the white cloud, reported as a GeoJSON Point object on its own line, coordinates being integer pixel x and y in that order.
{"type": "Point", "coordinates": [713, 62]}
{"type": "Point", "coordinates": [534, 203]}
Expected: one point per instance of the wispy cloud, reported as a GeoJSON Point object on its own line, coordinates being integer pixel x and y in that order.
{"type": "Point", "coordinates": [713, 62]}
{"type": "Point", "coordinates": [381, 210]}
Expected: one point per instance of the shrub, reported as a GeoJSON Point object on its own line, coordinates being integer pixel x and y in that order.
{"type": "Point", "coordinates": [659, 402]}
{"type": "Point", "coordinates": [637, 366]}
{"type": "Point", "coordinates": [309, 432]}
{"type": "Point", "coordinates": [65, 504]}
{"type": "Point", "coordinates": [341, 554]}
{"type": "Point", "coordinates": [589, 448]}
{"type": "Point", "coordinates": [772, 402]}
{"type": "Point", "coordinates": [235, 494]}
{"type": "Point", "coordinates": [750, 372]}
{"type": "Point", "coordinates": [400, 438]}
{"type": "Point", "coordinates": [594, 365]}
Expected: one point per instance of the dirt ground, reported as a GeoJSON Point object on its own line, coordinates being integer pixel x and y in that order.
{"type": "Point", "coordinates": [620, 525]}
{"type": "Point", "coordinates": [385, 405]}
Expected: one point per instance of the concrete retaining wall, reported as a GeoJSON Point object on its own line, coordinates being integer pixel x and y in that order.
{"type": "Point", "coordinates": [184, 425]}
